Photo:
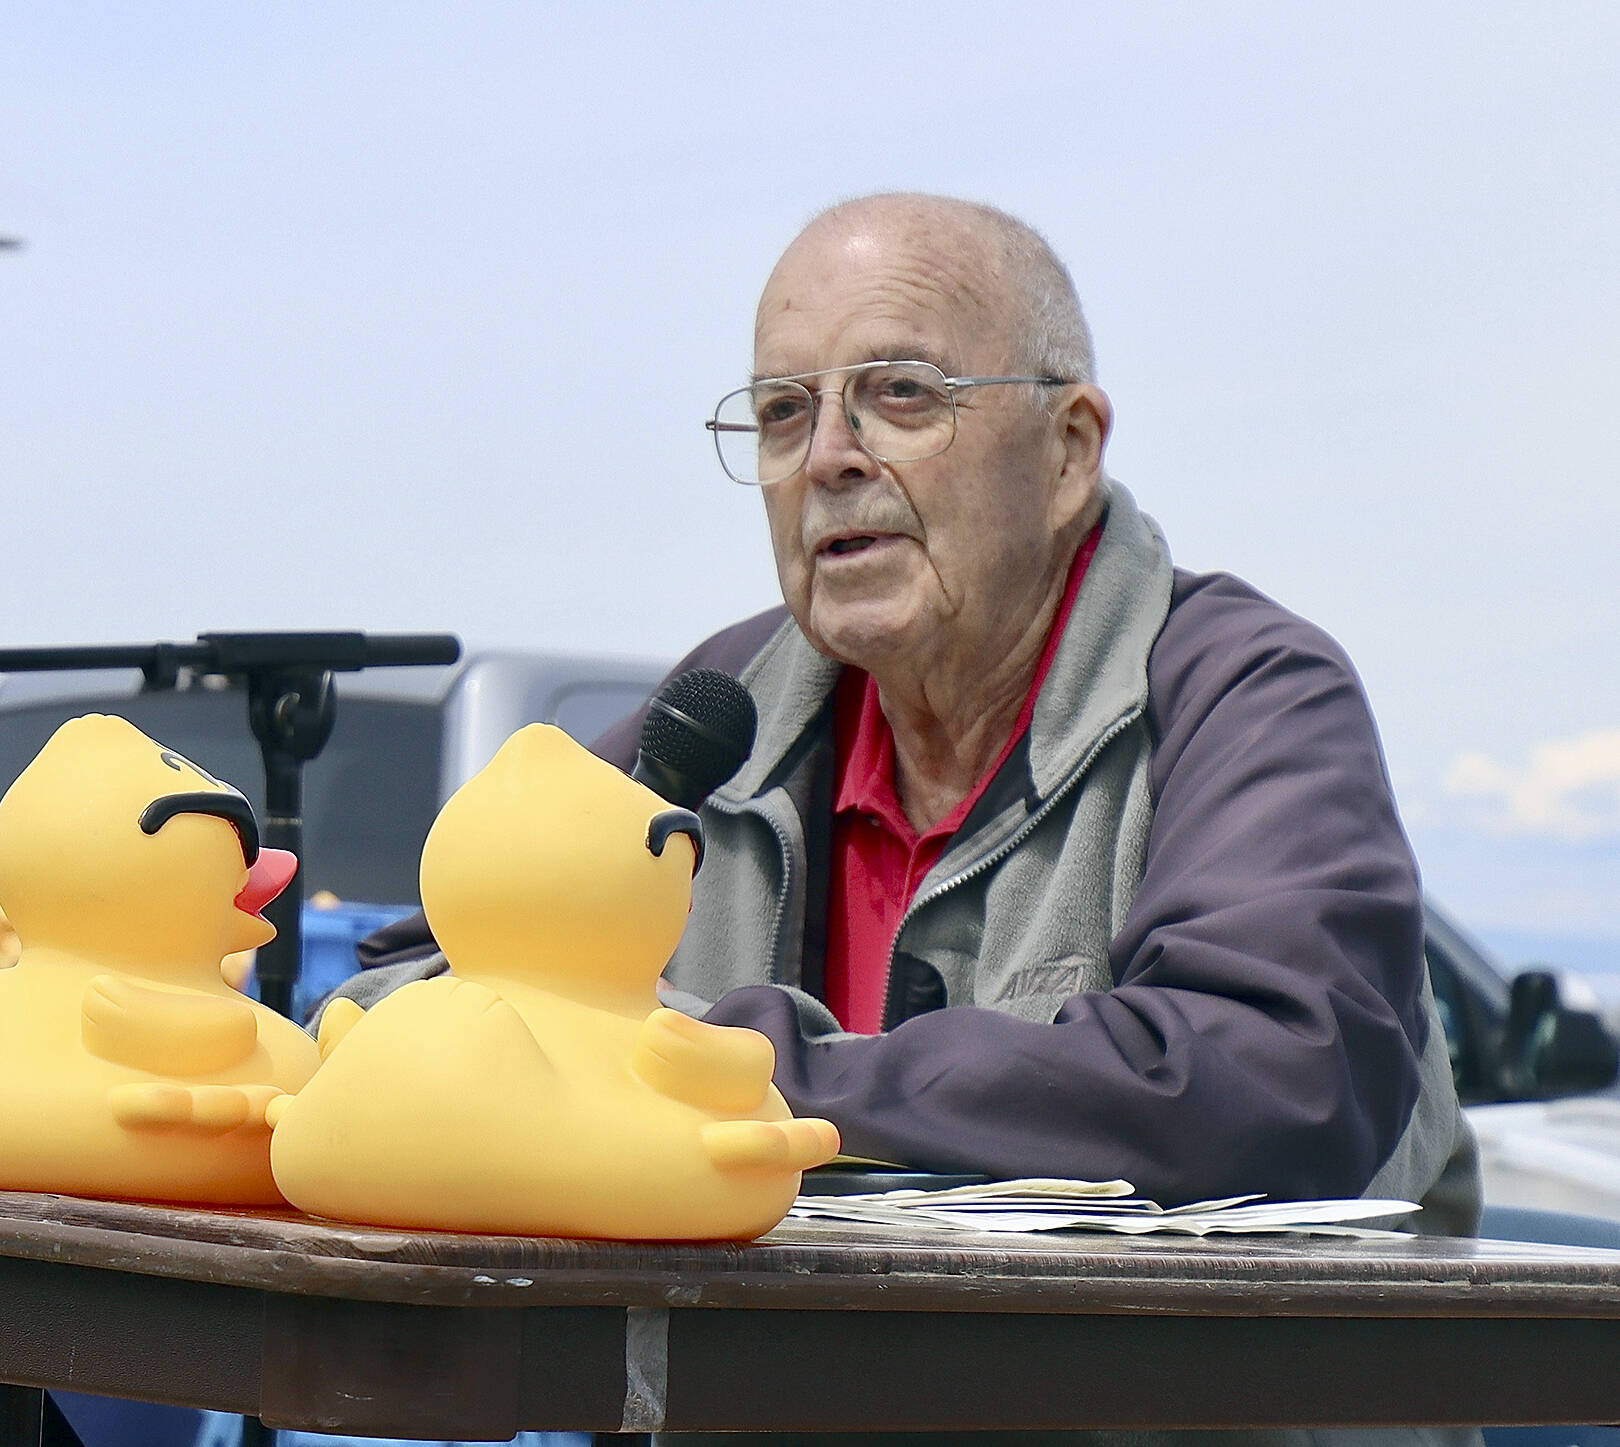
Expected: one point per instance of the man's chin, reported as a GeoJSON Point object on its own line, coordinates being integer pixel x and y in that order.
{"type": "Point", "coordinates": [863, 635]}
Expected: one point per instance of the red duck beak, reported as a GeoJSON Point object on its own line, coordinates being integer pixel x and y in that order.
{"type": "Point", "coordinates": [271, 873]}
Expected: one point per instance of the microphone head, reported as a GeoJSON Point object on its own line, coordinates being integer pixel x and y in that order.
{"type": "Point", "coordinates": [700, 727]}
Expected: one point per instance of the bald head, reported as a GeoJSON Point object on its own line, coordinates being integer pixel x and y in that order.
{"type": "Point", "coordinates": [1002, 266]}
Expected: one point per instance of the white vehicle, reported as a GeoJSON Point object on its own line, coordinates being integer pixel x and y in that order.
{"type": "Point", "coordinates": [1535, 1065]}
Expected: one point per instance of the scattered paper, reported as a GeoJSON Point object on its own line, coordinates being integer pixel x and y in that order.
{"type": "Point", "coordinates": [1043, 1204]}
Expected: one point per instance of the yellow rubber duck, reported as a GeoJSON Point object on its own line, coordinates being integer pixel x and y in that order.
{"type": "Point", "coordinates": [539, 1088]}
{"type": "Point", "coordinates": [128, 1067]}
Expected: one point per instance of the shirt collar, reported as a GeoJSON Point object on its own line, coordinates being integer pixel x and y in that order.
{"type": "Point", "coordinates": [865, 743]}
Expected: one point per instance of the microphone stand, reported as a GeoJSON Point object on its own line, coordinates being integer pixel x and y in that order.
{"type": "Point", "coordinates": [292, 705]}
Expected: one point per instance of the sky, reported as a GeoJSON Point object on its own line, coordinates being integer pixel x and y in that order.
{"type": "Point", "coordinates": [406, 316]}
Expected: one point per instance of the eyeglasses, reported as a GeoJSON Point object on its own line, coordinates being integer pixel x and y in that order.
{"type": "Point", "coordinates": [897, 412]}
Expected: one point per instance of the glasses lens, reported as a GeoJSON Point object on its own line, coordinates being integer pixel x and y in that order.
{"type": "Point", "coordinates": [763, 432]}
{"type": "Point", "coordinates": [903, 412]}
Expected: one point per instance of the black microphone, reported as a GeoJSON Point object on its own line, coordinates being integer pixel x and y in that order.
{"type": "Point", "coordinates": [699, 730]}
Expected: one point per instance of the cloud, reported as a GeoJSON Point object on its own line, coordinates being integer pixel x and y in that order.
{"type": "Point", "coordinates": [1569, 791]}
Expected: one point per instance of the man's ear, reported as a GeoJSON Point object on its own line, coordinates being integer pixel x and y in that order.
{"type": "Point", "coordinates": [1080, 433]}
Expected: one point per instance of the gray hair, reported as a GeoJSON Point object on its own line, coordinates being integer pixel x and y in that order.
{"type": "Point", "coordinates": [1056, 340]}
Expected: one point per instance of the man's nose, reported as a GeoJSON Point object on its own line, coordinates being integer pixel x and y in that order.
{"type": "Point", "coordinates": [836, 457]}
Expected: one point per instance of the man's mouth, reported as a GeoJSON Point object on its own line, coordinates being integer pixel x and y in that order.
{"type": "Point", "coordinates": [845, 545]}
{"type": "Point", "coordinates": [850, 545]}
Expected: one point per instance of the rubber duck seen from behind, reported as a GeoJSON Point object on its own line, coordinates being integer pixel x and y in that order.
{"type": "Point", "coordinates": [539, 1088]}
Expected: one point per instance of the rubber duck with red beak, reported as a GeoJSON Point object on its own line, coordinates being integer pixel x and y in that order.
{"type": "Point", "coordinates": [128, 1067]}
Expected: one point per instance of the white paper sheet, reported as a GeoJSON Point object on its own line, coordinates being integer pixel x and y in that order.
{"type": "Point", "coordinates": [1044, 1204]}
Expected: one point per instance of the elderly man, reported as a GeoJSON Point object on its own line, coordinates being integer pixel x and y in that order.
{"type": "Point", "coordinates": [1049, 859]}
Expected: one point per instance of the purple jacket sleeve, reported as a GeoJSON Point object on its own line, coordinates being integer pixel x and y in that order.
{"type": "Point", "coordinates": [1266, 1018]}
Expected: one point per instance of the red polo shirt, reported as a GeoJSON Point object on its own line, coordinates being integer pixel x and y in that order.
{"type": "Point", "coordinates": [878, 859]}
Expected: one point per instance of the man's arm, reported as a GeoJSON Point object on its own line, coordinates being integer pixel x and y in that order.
{"type": "Point", "coordinates": [1265, 1026]}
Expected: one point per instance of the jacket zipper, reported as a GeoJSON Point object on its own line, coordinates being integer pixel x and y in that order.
{"type": "Point", "coordinates": [996, 855]}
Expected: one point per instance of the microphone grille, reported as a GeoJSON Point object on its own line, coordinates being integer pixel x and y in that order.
{"type": "Point", "coordinates": [702, 725]}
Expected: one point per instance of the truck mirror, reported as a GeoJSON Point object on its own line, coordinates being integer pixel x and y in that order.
{"type": "Point", "coordinates": [1550, 1048]}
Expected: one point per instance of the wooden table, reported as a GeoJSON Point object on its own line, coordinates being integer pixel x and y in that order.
{"type": "Point", "coordinates": [816, 1327]}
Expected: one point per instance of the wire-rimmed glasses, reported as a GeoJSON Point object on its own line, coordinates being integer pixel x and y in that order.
{"type": "Point", "coordinates": [901, 411]}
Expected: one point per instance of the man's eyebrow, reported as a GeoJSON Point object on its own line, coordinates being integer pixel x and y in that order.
{"type": "Point", "coordinates": [899, 352]}
{"type": "Point", "coordinates": [921, 352]}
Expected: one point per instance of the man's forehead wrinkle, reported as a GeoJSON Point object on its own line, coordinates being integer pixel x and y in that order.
{"type": "Point", "coordinates": [900, 349]}
{"type": "Point", "coordinates": [905, 323]}
{"type": "Point", "coordinates": [894, 295]}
